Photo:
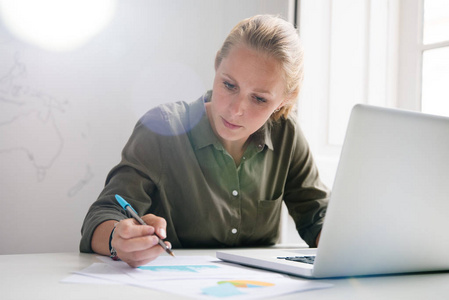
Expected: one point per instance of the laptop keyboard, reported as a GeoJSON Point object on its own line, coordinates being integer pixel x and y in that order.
{"type": "Point", "coordinates": [303, 259]}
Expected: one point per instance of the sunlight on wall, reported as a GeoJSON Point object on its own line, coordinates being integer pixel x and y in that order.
{"type": "Point", "coordinates": [56, 25]}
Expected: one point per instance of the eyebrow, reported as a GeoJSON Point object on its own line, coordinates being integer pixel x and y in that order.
{"type": "Point", "coordinates": [261, 91]}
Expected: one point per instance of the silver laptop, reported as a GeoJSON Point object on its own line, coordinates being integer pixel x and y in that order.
{"type": "Point", "coordinates": [389, 208]}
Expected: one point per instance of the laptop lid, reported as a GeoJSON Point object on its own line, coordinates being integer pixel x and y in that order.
{"type": "Point", "coordinates": [387, 212]}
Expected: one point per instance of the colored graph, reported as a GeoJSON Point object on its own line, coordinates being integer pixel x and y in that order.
{"type": "Point", "coordinates": [180, 268]}
{"type": "Point", "coordinates": [247, 283]}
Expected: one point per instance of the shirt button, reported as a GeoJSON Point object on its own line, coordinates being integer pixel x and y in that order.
{"type": "Point", "coordinates": [234, 231]}
{"type": "Point", "coordinates": [235, 193]}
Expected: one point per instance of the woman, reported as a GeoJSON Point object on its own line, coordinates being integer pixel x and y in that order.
{"type": "Point", "coordinates": [214, 172]}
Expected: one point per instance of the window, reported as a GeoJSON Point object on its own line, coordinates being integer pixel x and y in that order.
{"type": "Point", "coordinates": [435, 57]}
{"type": "Point", "coordinates": [424, 50]}
{"type": "Point", "coordinates": [392, 53]}
{"type": "Point", "coordinates": [351, 56]}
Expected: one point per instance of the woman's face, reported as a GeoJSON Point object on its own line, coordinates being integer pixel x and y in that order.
{"type": "Point", "coordinates": [248, 88]}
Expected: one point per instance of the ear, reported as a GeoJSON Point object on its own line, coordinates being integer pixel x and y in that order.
{"type": "Point", "coordinates": [280, 106]}
{"type": "Point", "coordinates": [288, 101]}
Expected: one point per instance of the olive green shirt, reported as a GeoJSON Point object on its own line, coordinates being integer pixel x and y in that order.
{"type": "Point", "coordinates": [175, 167]}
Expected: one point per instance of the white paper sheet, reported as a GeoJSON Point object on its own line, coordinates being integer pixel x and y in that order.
{"type": "Point", "coordinates": [188, 267]}
{"type": "Point", "coordinates": [198, 277]}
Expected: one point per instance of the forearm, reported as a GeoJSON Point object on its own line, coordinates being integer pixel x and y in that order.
{"type": "Point", "coordinates": [100, 238]}
{"type": "Point", "coordinates": [309, 219]}
{"type": "Point", "coordinates": [318, 239]}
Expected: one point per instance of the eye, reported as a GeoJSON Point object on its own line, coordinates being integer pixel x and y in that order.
{"type": "Point", "coordinates": [228, 85]}
{"type": "Point", "coordinates": [260, 99]}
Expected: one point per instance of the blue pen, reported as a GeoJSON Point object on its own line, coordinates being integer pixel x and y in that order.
{"type": "Point", "coordinates": [126, 206]}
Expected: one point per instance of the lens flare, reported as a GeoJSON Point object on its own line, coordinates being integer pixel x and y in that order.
{"type": "Point", "coordinates": [56, 25]}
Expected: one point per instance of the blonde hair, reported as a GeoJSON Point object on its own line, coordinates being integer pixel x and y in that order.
{"type": "Point", "coordinates": [277, 38]}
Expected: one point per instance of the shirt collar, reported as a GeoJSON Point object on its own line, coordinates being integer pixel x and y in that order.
{"type": "Point", "coordinates": [202, 134]}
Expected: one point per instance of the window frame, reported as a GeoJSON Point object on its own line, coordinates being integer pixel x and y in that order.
{"type": "Point", "coordinates": [411, 50]}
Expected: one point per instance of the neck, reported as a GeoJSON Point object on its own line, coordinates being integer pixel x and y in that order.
{"type": "Point", "coordinates": [235, 149]}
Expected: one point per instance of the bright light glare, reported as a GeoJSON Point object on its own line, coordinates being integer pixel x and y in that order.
{"type": "Point", "coordinates": [435, 90]}
{"type": "Point", "coordinates": [436, 21]}
{"type": "Point", "coordinates": [57, 25]}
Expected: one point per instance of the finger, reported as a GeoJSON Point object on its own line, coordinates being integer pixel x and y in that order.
{"type": "Point", "coordinates": [138, 258]}
{"type": "Point", "coordinates": [158, 223]}
{"type": "Point", "coordinates": [143, 257]}
{"type": "Point", "coordinates": [168, 245]}
{"type": "Point", "coordinates": [144, 261]}
{"type": "Point", "coordinates": [130, 228]}
{"type": "Point", "coordinates": [135, 244]}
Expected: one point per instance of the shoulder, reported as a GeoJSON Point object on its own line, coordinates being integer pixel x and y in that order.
{"type": "Point", "coordinates": [286, 127]}
{"type": "Point", "coordinates": [287, 134]}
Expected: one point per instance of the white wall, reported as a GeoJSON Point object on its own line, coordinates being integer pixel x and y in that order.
{"type": "Point", "coordinates": [65, 116]}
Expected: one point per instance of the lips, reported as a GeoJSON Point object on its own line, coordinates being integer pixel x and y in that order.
{"type": "Point", "coordinates": [230, 125]}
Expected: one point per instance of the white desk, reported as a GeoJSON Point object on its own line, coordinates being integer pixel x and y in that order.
{"type": "Point", "coordinates": [37, 276]}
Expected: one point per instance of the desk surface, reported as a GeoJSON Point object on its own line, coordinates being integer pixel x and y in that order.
{"type": "Point", "coordinates": [37, 276]}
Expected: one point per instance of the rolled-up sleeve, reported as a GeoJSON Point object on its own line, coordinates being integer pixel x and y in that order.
{"type": "Point", "coordinates": [305, 196]}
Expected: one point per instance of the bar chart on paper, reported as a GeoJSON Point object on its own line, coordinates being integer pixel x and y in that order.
{"type": "Point", "coordinates": [190, 268]}
{"type": "Point", "coordinates": [187, 268]}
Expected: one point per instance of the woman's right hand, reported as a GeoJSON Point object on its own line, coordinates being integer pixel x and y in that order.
{"type": "Point", "coordinates": [137, 244]}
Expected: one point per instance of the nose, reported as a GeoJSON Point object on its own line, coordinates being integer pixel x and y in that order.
{"type": "Point", "coordinates": [237, 106]}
